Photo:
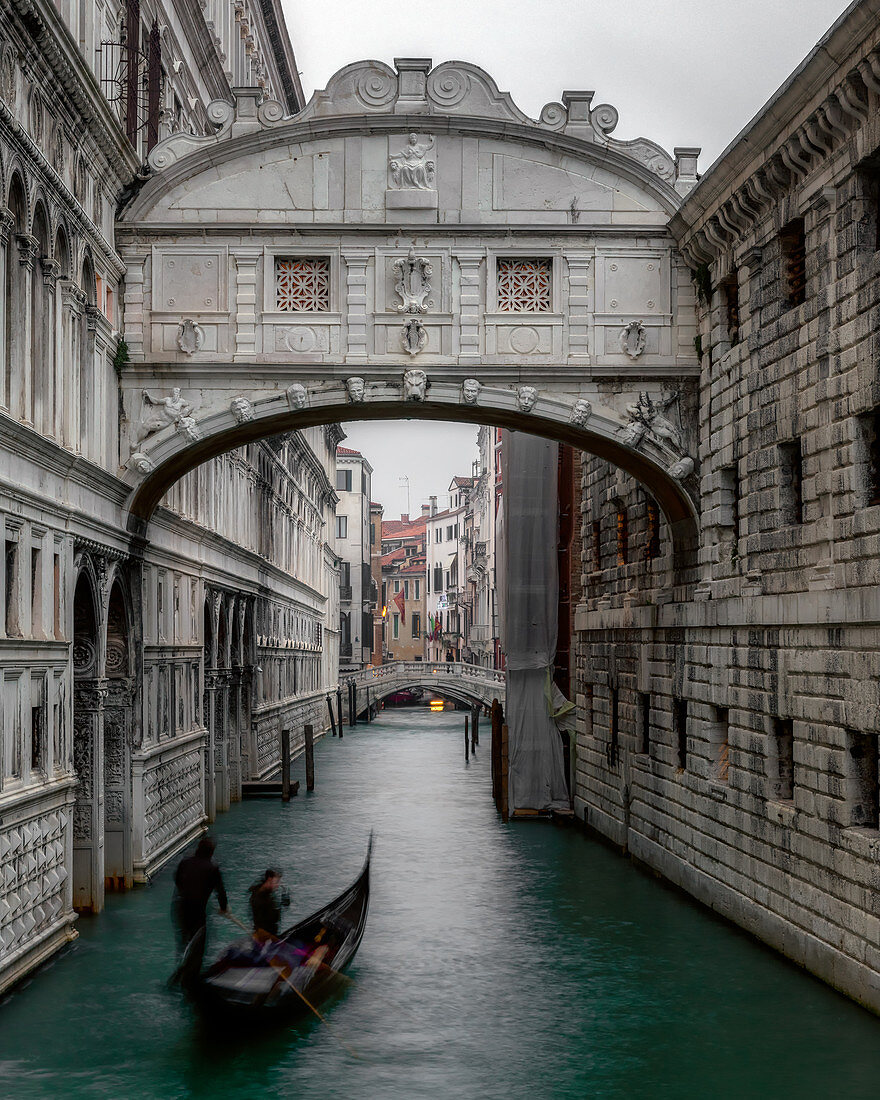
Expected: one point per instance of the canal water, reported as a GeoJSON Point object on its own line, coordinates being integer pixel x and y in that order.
{"type": "Point", "coordinates": [509, 962]}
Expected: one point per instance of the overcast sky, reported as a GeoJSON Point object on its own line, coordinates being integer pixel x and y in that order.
{"type": "Point", "coordinates": [681, 72]}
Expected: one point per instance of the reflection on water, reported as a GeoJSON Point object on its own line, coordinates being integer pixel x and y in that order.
{"type": "Point", "coordinates": [521, 961]}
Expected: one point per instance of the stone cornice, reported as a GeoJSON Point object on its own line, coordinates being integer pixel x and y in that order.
{"type": "Point", "coordinates": [827, 100]}
{"type": "Point", "coordinates": [282, 51]}
{"type": "Point", "coordinates": [49, 33]}
{"type": "Point", "coordinates": [201, 42]}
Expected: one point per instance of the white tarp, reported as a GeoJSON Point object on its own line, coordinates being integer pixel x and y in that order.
{"type": "Point", "coordinates": [528, 593]}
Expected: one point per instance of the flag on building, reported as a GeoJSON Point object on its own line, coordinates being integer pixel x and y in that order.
{"type": "Point", "coordinates": [400, 601]}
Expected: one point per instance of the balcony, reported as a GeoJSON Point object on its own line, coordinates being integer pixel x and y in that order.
{"type": "Point", "coordinates": [345, 592]}
{"type": "Point", "coordinates": [480, 634]}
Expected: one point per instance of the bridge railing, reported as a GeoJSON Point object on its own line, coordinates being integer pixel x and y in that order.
{"type": "Point", "coordinates": [401, 671]}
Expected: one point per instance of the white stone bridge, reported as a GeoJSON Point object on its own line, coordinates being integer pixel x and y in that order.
{"type": "Point", "coordinates": [453, 680]}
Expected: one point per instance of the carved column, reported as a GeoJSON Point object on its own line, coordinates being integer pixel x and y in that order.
{"type": "Point", "coordinates": [356, 305]}
{"type": "Point", "coordinates": [470, 306]}
{"type": "Point", "coordinates": [247, 306]}
{"type": "Point", "coordinates": [117, 787]}
{"type": "Point", "coordinates": [7, 221]}
{"type": "Point", "coordinates": [88, 810]}
{"type": "Point", "coordinates": [21, 351]}
{"type": "Point", "coordinates": [45, 397]}
{"type": "Point", "coordinates": [73, 303]}
{"type": "Point", "coordinates": [580, 316]}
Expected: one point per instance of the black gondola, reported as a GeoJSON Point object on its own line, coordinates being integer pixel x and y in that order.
{"type": "Point", "coordinates": [294, 971]}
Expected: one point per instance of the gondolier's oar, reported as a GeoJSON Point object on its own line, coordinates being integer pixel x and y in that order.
{"type": "Point", "coordinates": [280, 972]}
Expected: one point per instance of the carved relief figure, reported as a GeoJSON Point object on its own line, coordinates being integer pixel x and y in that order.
{"type": "Point", "coordinates": [162, 412]}
{"type": "Point", "coordinates": [296, 396]}
{"type": "Point", "coordinates": [356, 388]}
{"type": "Point", "coordinates": [190, 336]}
{"type": "Point", "coordinates": [682, 469]}
{"type": "Point", "coordinates": [242, 409]}
{"type": "Point", "coordinates": [414, 337]}
{"type": "Point", "coordinates": [411, 166]}
{"type": "Point", "coordinates": [189, 429]}
{"type": "Point", "coordinates": [581, 413]}
{"type": "Point", "coordinates": [470, 391]}
{"type": "Point", "coordinates": [415, 385]}
{"type": "Point", "coordinates": [412, 283]}
{"type": "Point", "coordinates": [632, 339]}
{"type": "Point", "coordinates": [646, 418]}
{"type": "Point", "coordinates": [526, 396]}
{"type": "Point", "coordinates": [141, 463]}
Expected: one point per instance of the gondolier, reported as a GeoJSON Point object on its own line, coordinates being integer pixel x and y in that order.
{"type": "Point", "coordinates": [196, 878]}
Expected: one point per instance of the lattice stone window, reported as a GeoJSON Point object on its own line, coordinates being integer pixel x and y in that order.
{"type": "Point", "coordinates": [302, 285]}
{"type": "Point", "coordinates": [524, 286]}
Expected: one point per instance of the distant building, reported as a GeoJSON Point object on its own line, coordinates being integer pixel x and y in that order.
{"type": "Point", "coordinates": [353, 545]}
{"type": "Point", "coordinates": [403, 587]}
{"type": "Point", "coordinates": [376, 513]}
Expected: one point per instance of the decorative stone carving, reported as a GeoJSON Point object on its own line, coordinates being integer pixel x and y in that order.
{"type": "Point", "coordinates": [162, 412]}
{"type": "Point", "coordinates": [356, 389]}
{"type": "Point", "coordinates": [414, 337]}
{"type": "Point", "coordinates": [415, 385]}
{"type": "Point", "coordinates": [632, 339]}
{"type": "Point", "coordinates": [681, 469]}
{"type": "Point", "coordinates": [581, 413]}
{"type": "Point", "coordinates": [189, 429]}
{"type": "Point", "coordinates": [412, 167]}
{"type": "Point", "coordinates": [647, 419]}
{"type": "Point", "coordinates": [141, 463]}
{"type": "Point", "coordinates": [190, 336]}
{"type": "Point", "coordinates": [470, 391]}
{"type": "Point", "coordinates": [526, 397]}
{"type": "Point", "coordinates": [412, 283]}
{"type": "Point", "coordinates": [296, 396]}
{"type": "Point", "coordinates": [241, 409]}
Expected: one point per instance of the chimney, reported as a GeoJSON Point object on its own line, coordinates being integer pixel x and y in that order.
{"type": "Point", "coordinates": [433, 501]}
{"type": "Point", "coordinates": [426, 511]}
{"type": "Point", "coordinates": [404, 518]}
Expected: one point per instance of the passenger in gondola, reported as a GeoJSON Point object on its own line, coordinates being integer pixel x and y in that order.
{"type": "Point", "coordinates": [266, 904]}
{"type": "Point", "coordinates": [196, 878]}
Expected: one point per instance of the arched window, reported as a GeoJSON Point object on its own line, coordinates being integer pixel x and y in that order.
{"type": "Point", "coordinates": [14, 301]}
{"type": "Point", "coordinates": [64, 389]}
{"type": "Point", "coordinates": [42, 398]}
{"type": "Point", "coordinates": [86, 371]}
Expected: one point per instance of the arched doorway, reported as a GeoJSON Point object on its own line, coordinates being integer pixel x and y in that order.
{"type": "Point", "coordinates": [118, 710]}
{"type": "Point", "coordinates": [89, 691]}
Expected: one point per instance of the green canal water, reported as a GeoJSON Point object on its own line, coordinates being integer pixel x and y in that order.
{"type": "Point", "coordinates": [509, 962]}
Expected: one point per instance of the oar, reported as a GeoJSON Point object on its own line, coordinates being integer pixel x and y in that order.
{"type": "Point", "coordinates": [280, 972]}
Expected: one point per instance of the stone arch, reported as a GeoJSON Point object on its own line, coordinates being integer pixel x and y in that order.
{"type": "Point", "coordinates": [15, 296]}
{"type": "Point", "coordinates": [89, 692]}
{"type": "Point", "coordinates": [17, 199]}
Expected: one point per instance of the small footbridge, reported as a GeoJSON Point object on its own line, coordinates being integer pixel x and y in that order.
{"type": "Point", "coordinates": [450, 679]}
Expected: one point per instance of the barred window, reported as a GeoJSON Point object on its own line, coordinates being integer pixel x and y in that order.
{"type": "Point", "coordinates": [524, 286]}
{"type": "Point", "coordinates": [302, 285]}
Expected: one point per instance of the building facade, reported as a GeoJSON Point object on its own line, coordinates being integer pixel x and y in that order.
{"type": "Point", "coordinates": [403, 587]}
{"type": "Point", "coordinates": [357, 594]}
{"type": "Point", "coordinates": [140, 682]}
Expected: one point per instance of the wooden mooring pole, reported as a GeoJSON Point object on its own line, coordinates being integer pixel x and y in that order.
{"type": "Point", "coordinates": [505, 772]}
{"type": "Point", "coordinates": [352, 703]}
{"type": "Point", "coordinates": [332, 719]}
{"type": "Point", "coordinates": [310, 757]}
{"type": "Point", "coordinates": [339, 709]}
{"type": "Point", "coordinates": [465, 737]}
{"type": "Point", "coordinates": [285, 765]}
{"type": "Point", "coordinates": [496, 753]}
{"type": "Point", "coordinates": [475, 728]}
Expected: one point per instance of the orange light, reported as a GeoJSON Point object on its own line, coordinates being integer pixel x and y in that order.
{"type": "Point", "coordinates": [384, 612]}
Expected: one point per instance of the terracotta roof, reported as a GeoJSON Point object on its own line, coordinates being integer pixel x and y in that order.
{"type": "Point", "coordinates": [348, 451]}
{"type": "Point", "coordinates": [463, 482]}
{"type": "Point", "coordinates": [416, 567]}
{"type": "Point", "coordinates": [393, 555]}
{"type": "Point", "coordinates": [398, 528]}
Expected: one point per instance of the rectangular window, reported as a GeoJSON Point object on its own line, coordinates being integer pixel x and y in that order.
{"type": "Point", "coordinates": [343, 480]}
{"type": "Point", "coordinates": [416, 625]}
{"type": "Point", "coordinates": [342, 527]}
{"type": "Point", "coordinates": [396, 587]}
{"type": "Point", "coordinates": [302, 285]}
{"type": "Point", "coordinates": [345, 574]}
{"type": "Point", "coordinates": [38, 738]}
{"type": "Point", "coordinates": [793, 246]}
{"type": "Point", "coordinates": [720, 744]}
{"type": "Point", "coordinates": [372, 533]}
{"type": "Point", "coordinates": [395, 626]}
{"type": "Point", "coordinates": [438, 534]}
{"type": "Point", "coordinates": [612, 749]}
{"type": "Point", "coordinates": [868, 455]}
{"type": "Point", "coordinates": [524, 286]}
{"type": "Point", "coordinates": [449, 534]}
{"type": "Point", "coordinates": [597, 545]}
{"type": "Point", "coordinates": [679, 729]}
{"type": "Point", "coordinates": [11, 591]}
{"type": "Point", "coordinates": [406, 590]}
{"type": "Point", "coordinates": [730, 305]}
{"type": "Point", "coordinates": [729, 488]}
{"type": "Point", "coordinates": [791, 479]}
{"type": "Point", "coordinates": [645, 723]}
{"type": "Point", "coordinates": [782, 783]}
{"type": "Point", "coordinates": [863, 779]}
{"type": "Point", "coordinates": [652, 542]}
{"type": "Point", "coordinates": [418, 587]}
{"type": "Point", "coordinates": [36, 592]}
{"type": "Point", "coordinates": [622, 537]}
{"type": "Point", "coordinates": [438, 578]}
{"type": "Point", "coordinates": [56, 596]}
{"type": "Point", "coordinates": [868, 219]}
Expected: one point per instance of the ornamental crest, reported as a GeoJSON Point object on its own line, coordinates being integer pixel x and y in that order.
{"type": "Point", "coordinates": [412, 167]}
{"type": "Point", "coordinates": [414, 337]}
{"type": "Point", "coordinates": [412, 283]}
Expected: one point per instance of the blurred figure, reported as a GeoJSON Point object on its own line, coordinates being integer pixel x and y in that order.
{"type": "Point", "coordinates": [266, 904]}
{"type": "Point", "coordinates": [196, 878]}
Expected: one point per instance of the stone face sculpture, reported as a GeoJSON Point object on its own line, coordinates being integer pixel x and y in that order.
{"type": "Point", "coordinates": [242, 409]}
{"type": "Point", "coordinates": [632, 339]}
{"type": "Point", "coordinates": [142, 463]}
{"type": "Point", "coordinates": [581, 413]}
{"type": "Point", "coordinates": [356, 389]}
{"type": "Point", "coordinates": [412, 283]}
{"type": "Point", "coordinates": [162, 412]}
{"type": "Point", "coordinates": [296, 396]}
{"type": "Point", "coordinates": [190, 336]}
{"type": "Point", "coordinates": [415, 385]}
{"type": "Point", "coordinates": [681, 469]}
{"type": "Point", "coordinates": [526, 397]}
{"type": "Point", "coordinates": [411, 166]}
{"type": "Point", "coordinates": [414, 337]}
{"type": "Point", "coordinates": [189, 429]}
{"type": "Point", "coordinates": [470, 391]}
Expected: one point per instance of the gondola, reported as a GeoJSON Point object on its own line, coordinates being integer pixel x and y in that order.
{"type": "Point", "coordinates": [290, 973]}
